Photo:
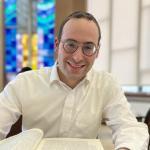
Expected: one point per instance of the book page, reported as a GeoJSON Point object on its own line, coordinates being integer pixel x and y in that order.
{"type": "Point", "coordinates": [69, 144]}
{"type": "Point", "coordinates": [33, 140]}
{"type": "Point", "coordinates": [26, 140]}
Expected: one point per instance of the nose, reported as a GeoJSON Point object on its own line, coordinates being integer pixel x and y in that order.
{"type": "Point", "coordinates": [78, 55]}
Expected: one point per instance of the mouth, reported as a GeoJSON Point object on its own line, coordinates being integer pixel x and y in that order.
{"type": "Point", "coordinates": [76, 66]}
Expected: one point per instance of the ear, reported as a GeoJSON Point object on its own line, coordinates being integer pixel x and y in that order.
{"type": "Point", "coordinates": [98, 49]}
{"type": "Point", "coordinates": [97, 54]}
{"type": "Point", "coordinates": [56, 45]}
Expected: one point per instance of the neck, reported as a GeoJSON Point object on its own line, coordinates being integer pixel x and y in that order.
{"type": "Point", "coordinates": [72, 83]}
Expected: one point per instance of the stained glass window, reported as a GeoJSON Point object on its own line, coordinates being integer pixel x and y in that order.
{"type": "Point", "coordinates": [45, 21]}
{"type": "Point", "coordinates": [28, 45]}
{"type": "Point", "coordinates": [10, 35]}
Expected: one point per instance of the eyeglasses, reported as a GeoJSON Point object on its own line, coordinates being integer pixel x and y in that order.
{"type": "Point", "coordinates": [70, 46]}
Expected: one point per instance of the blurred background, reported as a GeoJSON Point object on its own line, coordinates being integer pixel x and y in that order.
{"type": "Point", "coordinates": [28, 29]}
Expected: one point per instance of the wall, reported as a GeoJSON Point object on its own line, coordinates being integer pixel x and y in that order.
{"type": "Point", "coordinates": [125, 39]}
{"type": "Point", "coordinates": [65, 7]}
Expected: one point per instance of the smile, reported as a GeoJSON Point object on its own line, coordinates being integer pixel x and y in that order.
{"type": "Point", "coordinates": [76, 66]}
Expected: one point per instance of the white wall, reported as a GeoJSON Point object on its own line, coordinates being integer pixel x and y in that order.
{"type": "Point", "coordinates": [100, 9]}
{"type": "Point", "coordinates": [125, 46]}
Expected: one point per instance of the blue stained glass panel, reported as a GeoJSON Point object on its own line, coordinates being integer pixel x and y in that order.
{"type": "Point", "coordinates": [10, 50]}
{"type": "Point", "coordinates": [10, 12]}
{"type": "Point", "coordinates": [46, 24]}
{"type": "Point", "coordinates": [45, 31]}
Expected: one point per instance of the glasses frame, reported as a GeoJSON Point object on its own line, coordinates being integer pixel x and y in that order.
{"type": "Point", "coordinates": [78, 45]}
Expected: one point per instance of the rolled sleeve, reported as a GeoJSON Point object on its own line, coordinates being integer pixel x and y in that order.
{"type": "Point", "coordinates": [126, 131]}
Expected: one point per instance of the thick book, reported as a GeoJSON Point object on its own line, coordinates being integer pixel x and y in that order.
{"type": "Point", "coordinates": [33, 140]}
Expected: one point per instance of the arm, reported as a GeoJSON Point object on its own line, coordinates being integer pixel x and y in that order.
{"type": "Point", "coordinates": [9, 109]}
{"type": "Point", "coordinates": [126, 131]}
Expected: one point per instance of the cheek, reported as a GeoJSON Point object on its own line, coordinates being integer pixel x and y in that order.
{"type": "Point", "coordinates": [90, 63]}
{"type": "Point", "coordinates": [91, 60]}
{"type": "Point", "coordinates": [61, 56]}
{"type": "Point", "coordinates": [58, 53]}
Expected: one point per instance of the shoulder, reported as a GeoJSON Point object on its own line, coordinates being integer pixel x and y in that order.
{"type": "Point", "coordinates": [102, 76]}
{"type": "Point", "coordinates": [42, 72]}
{"type": "Point", "coordinates": [107, 85]}
{"type": "Point", "coordinates": [104, 81]}
{"type": "Point", "coordinates": [32, 76]}
{"type": "Point", "coordinates": [28, 82]}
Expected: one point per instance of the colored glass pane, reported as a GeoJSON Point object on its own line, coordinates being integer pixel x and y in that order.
{"type": "Point", "coordinates": [10, 12]}
{"type": "Point", "coordinates": [10, 50]}
{"type": "Point", "coordinates": [46, 23]}
{"type": "Point", "coordinates": [17, 51]}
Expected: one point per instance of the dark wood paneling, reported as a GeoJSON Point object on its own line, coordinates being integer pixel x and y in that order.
{"type": "Point", "coordinates": [65, 7]}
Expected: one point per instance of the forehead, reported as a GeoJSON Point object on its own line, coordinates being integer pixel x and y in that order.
{"type": "Point", "coordinates": [82, 30]}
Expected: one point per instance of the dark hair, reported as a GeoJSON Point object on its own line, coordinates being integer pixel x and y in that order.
{"type": "Point", "coordinates": [147, 119]}
{"type": "Point", "coordinates": [79, 15]}
{"type": "Point", "coordinates": [24, 69]}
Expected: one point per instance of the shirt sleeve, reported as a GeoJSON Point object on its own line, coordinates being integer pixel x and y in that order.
{"type": "Point", "coordinates": [126, 131]}
{"type": "Point", "coordinates": [10, 109]}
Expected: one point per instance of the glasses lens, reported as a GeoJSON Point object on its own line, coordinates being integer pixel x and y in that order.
{"type": "Point", "coordinates": [70, 46]}
{"type": "Point", "coordinates": [89, 49]}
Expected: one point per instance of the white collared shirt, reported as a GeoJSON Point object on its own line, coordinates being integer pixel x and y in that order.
{"type": "Point", "coordinates": [48, 104]}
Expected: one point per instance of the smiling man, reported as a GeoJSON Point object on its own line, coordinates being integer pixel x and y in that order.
{"type": "Point", "coordinates": [71, 99]}
{"type": "Point", "coordinates": [76, 50]}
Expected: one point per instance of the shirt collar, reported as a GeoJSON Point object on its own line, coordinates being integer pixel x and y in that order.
{"type": "Point", "coordinates": [54, 75]}
{"type": "Point", "coordinates": [89, 76]}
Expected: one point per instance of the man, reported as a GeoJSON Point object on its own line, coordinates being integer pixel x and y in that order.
{"type": "Point", "coordinates": [71, 99]}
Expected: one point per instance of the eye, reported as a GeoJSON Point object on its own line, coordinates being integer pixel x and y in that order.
{"type": "Point", "coordinates": [71, 45]}
{"type": "Point", "coordinates": [88, 47]}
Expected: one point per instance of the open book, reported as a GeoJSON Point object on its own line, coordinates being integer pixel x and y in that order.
{"type": "Point", "coordinates": [33, 140]}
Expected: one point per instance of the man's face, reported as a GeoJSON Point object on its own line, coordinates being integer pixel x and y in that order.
{"type": "Point", "coordinates": [73, 67]}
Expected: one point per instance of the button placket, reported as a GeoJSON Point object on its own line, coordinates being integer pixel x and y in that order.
{"type": "Point", "coordinates": [66, 120]}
